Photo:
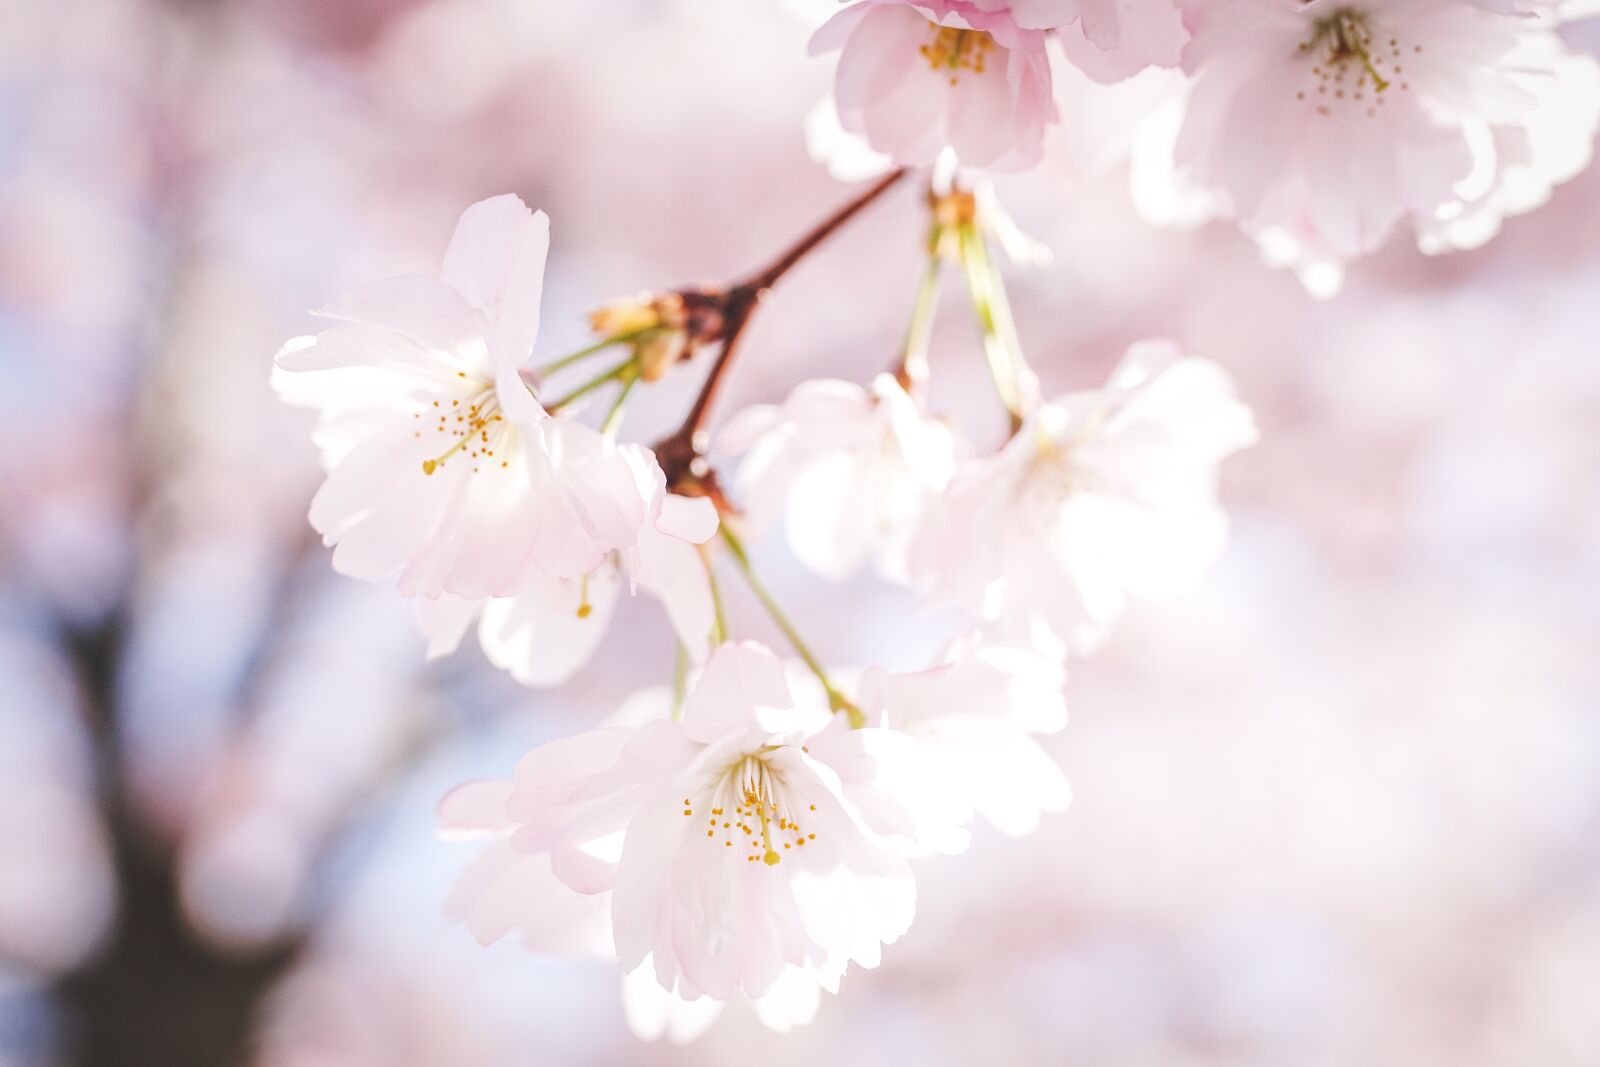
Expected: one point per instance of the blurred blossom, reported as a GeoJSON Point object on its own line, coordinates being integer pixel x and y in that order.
{"type": "Point", "coordinates": [57, 897]}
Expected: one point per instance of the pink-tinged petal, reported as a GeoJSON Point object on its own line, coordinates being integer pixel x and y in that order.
{"type": "Point", "coordinates": [597, 480]}
{"type": "Point", "coordinates": [580, 789]}
{"type": "Point", "coordinates": [853, 914]}
{"type": "Point", "coordinates": [674, 572]}
{"type": "Point", "coordinates": [885, 90]}
{"type": "Point", "coordinates": [511, 388]}
{"type": "Point", "coordinates": [503, 891]}
{"type": "Point", "coordinates": [644, 895]}
{"type": "Point", "coordinates": [496, 261]}
{"type": "Point", "coordinates": [687, 518]}
{"type": "Point", "coordinates": [426, 311]}
{"type": "Point", "coordinates": [583, 872]}
{"type": "Point", "coordinates": [727, 936]}
{"type": "Point", "coordinates": [740, 680]}
{"type": "Point", "coordinates": [1013, 686]}
{"type": "Point", "coordinates": [444, 621]}
{"type": "Point", "coordinates": [475, 809]}
{"type": "Point", "coordinates": [653, 1012]}
{"type": "Point", "coordinates": [832, 35]}
{"type": "Point", "coordinates": [485, 544]}
{"type": "Point", "coordinates": [559, 542]}
{"type": "Point", "coordinates": [550, 774]}
{"type": "Point", "coordinates": [545, 633]}
{"type": "Point", "coordinates": [379, 509]}
{"type": "Point", "coordinates": [1150, 33]}
{"type": "Point", "coordinates": [1046, 14]}
{"type": "Point", "coordinates": [357, 344]}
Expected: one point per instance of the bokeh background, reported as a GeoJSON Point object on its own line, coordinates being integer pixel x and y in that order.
{"type": "Point", "coordinates": [1340, 806]}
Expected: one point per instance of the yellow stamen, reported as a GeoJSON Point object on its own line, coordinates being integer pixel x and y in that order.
{"type": "Point", "coordinates": [954, 49]}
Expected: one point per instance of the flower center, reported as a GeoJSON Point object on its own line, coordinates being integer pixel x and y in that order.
{"type": "Point", "coordinates": [747, 805]}
{"type": "Point", "coordinates": [468, 426]}
{"type": "Point", "coordinates": [1351, 61]}
{"type": "Point", "coordinates": [953, 49]}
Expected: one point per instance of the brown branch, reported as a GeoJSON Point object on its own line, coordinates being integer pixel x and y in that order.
{"type": "Point", "coordinates": [678, 453]}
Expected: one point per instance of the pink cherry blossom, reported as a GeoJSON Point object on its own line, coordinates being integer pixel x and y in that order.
{"type": "Point", "coordinates": [1322, 126]}
{"type": "Point", "coordinates": [916, 77]}
{"type": "Point", "coordinates": [741, 857]}
{"type": "Point", "coordinates": [443, 469]}
{"type": "Point", "coordinates": [1100, 494]}
{"type": "Point", "coordinates": [848, 467]}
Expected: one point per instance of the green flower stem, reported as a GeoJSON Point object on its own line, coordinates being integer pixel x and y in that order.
{"type": "Point", "coordinates": [1013, 379]}
{"type": "Point", "coordinates": [719, 623]}
{"type": "Point", "coordinates": [627, 366]}
{"type": "Point", "coordinates": [680, 681]}
{"type": "Point", "coordinates": [837, 701]}
{"type": "Point", "coordinates": [613, 420]}
{"type": "Point", "coordinates": [599, 346]}
{"type": "Point", "coordinates": [913, 368]}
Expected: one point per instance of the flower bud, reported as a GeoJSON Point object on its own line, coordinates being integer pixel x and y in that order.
{"type": "Point", "coordinates": [655, 326]}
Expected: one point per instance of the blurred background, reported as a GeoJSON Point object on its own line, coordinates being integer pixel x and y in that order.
{"type": "Point", "coordinates": [1340, 806]}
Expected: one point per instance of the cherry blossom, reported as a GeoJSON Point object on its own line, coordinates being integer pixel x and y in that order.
{"type": "Point", "coordinates": [443, 469]}
{"type": "Point", "coordinates": [1322, 126]}
{"type": "Point", "coordinates": [849, 468]}
{"type": "Point", "coordinates": [1100, 494]}
{"type": "Point", "coordinates": [548, 631]}
{"type": "Point", "coordinates": [916, 77]}
{"type": "Point", "coordinates": [741, 855]}
{"type": "Point", "coordinates": [503, 891]}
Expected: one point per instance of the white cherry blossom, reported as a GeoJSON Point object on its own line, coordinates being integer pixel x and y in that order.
{"type": "Point", "coordinates": [1100, 494]}
{"type": "Point", "coordinates": [741, 856]}
{"type": "Point", "coordinates": [443, 469]}
{"type": "Point", "coordinates": [849, 468]}
{"type": "Point", "coordinates": [503, 892]}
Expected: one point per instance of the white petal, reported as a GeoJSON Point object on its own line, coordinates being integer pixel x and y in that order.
{"type": "Point", "coordinates": [544, 634]}
{"type": "Point", "coordinates": [496, 261]}
{"type": "Point", "coordinates": [740, 680]}
{"type": "Point", "coordinates": [653, 1012]}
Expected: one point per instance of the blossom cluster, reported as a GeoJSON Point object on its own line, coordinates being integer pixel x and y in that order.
{"type": "Point", "coordinates": [749, 832]}
{"type": "Point", "coordinates": [752, 837]}
{"type": "Point", "coordinates": [1320, 126]}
